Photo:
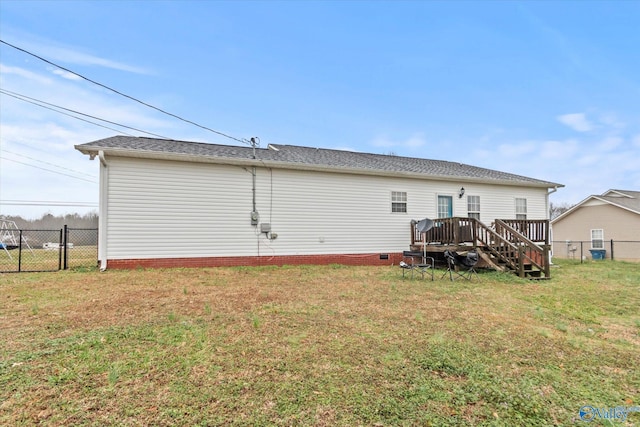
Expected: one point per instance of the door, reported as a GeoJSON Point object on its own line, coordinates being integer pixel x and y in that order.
{"type": "Point", "coordinates": [445, 206]}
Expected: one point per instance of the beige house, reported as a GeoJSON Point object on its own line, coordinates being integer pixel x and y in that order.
{"type": "Point", "coordinates": [591, 226]}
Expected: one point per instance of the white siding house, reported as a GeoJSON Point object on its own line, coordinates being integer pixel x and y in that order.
{"type": "Point", "coordinates": [176, 203]}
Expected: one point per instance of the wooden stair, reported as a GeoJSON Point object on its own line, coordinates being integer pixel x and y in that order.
{"type": "Point", "coordinates": [506, 246]}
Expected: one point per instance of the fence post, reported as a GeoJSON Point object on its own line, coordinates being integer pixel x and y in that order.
{"type": "Point", "coordinates": [611, 249]}
{"type": "Point", "coordinates": [60, 250]}
{"type": "Point", "coordinates": [65, 237]}
{"type": "Point", "coordinates": [581, 256]}
{"type": "Point", "coordinates": [20, 252]}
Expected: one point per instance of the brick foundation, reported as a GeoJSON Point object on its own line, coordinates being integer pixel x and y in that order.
{"type": "Point", "coordinates": [344, 259]}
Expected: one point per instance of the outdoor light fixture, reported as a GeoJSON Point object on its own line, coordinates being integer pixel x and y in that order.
{"type": "Point", "coordinates": [461, 193]}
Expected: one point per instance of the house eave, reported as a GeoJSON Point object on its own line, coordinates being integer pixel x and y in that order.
{"type": "Point", "coordinates": [592, 197]}
{"type": "Point", "coordinates": [243, 162]}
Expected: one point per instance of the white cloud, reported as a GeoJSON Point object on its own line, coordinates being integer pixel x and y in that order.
{"type": "Point", "coordinates": [611, 143]}
{"type": "Point", "coordinates": [636, 141]}
{"type": "Point", "coordinates": [73, 55]}
{"type": "Point", "coordinates": [38, 143]}
{"type": "Point", "coordinates": [611, 120]}
{"type": "Point", "coordinates": [576, 121]}
{"type": "Point", "coordinates": [7, 71]}
{"type": "Point", "coordinates": [57, 52]}
{"type": "Point", "coordinates": [66, 75]}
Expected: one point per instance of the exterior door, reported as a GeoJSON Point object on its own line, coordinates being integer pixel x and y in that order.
{"type": "Point", "coordinates": [445, 206]}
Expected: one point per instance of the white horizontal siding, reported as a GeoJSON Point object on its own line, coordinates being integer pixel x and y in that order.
{"type": "Point", "coordinates": [165, 209]}
{"type": "Point", "coordinates": [500, 201]}
{"type": "Point", "coordinates": [170, 209]}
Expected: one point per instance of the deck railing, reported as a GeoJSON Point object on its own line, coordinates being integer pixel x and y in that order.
{"type": "Point", "coordinates": [511, 241]}
{"type": "Point", "coordinates": [446, 231]}
{"type": "Point", "coordinates": [536, 230]}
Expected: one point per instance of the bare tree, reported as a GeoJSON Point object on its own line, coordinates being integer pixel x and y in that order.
{"type": "Point", "coordinates": [557, 209]}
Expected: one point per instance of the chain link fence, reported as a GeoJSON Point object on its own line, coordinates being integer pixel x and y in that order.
{"type": "Point", "coordinates": [48, 250]}
{"type": "Point", "coordinates": [582, 250]}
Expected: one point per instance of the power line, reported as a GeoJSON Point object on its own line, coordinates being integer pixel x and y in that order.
{"type": "Point", "coordinates": [48, 170]}
{"type": "Point", "coordinates": [125, 95]}
{"type": "Point", "coordinates": [38, 102]}
{"type": "Point", "coordinates": [47, 203]}
{"type": "Point", "coordinates": [47, 163]}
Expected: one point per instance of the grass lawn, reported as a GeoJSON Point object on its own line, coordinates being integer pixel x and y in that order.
{"type": "Point", "coordinates": [318, 345]}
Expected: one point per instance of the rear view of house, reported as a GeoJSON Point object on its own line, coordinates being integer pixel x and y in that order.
{"type": "Point", "coordinates": [177, 203]}
{"type": "Point", "coordinates": [597, 221]}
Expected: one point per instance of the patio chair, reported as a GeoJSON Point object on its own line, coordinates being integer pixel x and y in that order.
{"type": "Point", "coordinates": [418, 263]}
{"type": "Point", "coordinates": [461, 265]}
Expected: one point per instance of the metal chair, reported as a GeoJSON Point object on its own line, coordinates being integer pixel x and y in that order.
{"type": "Point", "coordinates": [416, 262]}
{"type": "Point", "coordinates": [425, 264]}
{"type": "Point", "coordinates": [461, 265]}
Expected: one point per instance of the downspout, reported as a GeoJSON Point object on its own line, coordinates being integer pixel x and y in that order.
{"type": "Point", "coordinates": [102, 212]}
{"type": "Point", "coordinates": [553, 190]}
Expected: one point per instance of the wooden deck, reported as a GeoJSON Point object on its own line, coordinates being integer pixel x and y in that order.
{"type": "Point", "coordinates": [518, 245]}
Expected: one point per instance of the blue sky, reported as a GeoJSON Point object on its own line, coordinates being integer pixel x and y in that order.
{"type": "Point", "coordinates": [549, 90]}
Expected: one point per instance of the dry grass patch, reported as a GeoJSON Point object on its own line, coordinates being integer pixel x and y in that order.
{"type": "Point", "coordinates": [316, 345]}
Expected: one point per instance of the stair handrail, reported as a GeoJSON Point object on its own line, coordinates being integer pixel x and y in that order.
{"type": "Point", "coordinates": [518, 239]}
{"type": "Point", "coordinates": [498, 242]}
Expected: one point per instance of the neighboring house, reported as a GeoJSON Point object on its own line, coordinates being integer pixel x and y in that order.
{"type": "Point", "coordinates": [596, 221]}
{"type": "Point", "coordinates": [176, 203]}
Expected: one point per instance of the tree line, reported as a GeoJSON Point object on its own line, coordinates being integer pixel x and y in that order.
{"type": "Point", "coordinates": [53, 222]}
{"type": "Point", "coordinates": [90, 220]}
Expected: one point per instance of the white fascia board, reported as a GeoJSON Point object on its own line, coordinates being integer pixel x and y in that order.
{"type": "Point", "coordinates": [618, 192]}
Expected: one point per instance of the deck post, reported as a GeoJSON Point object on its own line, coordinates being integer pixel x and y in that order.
{"type": "Point", "coordinates": [456, 229]}
{"type": "Point", "coordinates": [520, 261]}
{"type": "Point", "coordinates": [547, 267]}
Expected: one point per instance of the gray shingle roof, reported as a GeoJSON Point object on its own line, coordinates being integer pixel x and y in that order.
{"type": "Point", "coordinates": [632, 202]}
{"type": "Point", "coordinates": [307, 157]}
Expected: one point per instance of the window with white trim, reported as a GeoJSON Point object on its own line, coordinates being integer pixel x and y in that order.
{"type": "Point", "coordinates": [597, 238]}
{"type": "Point", "coordinates": [399, 201]}
{"type": "Point", "coordinates": [473, 207]}
{"type": "Point", "coordinates": [521, 208]}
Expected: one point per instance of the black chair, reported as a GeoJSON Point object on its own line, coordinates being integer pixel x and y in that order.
{"type": "Point", "coordinates": [424, 264]}
{"type": "Point", "coordinates": [417, 262]}
{"type": "Point", "coordinates": [461, 265]}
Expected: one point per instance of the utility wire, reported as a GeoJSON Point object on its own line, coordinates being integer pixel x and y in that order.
{"type": "Point", "coordinates": [46, 203]}
{"type": "Point", "coordinates": [40, 103]}
{"type": "Point", "coordinates": [125, 95]}
{"type": "Point", "coordinates": [49, 170]}
{"type": "Point", "coordinates": [47, 163]}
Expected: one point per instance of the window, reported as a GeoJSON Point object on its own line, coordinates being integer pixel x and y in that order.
{"type": "Point", "coordinates": [473, 207]}
{"type": "Point", "coordinates": [597, 239]}
{"type": "Point", "coordinates": [521, 208]}
{"type": "Point", "coordinates": [398, 201]}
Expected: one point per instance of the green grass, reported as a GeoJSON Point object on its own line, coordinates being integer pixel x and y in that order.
{"type": "Point", "coordinates": [36, 259]}
{"type": "Point", "coordinates": [316, 345]}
